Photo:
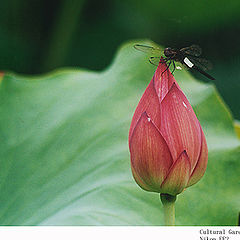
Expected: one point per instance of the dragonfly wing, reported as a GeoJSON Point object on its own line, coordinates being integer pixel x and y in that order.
{"type": "Point", "coordinates": [149, 49]}
{"type": "Point", "coordinates": [202, 63]}
{"type": "Point", "coordinates": [193, 50]}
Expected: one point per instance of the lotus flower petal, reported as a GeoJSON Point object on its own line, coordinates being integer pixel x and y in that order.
{"type": "Point", "coordinates": [141, 183]}
{"type": "Point", "coordinates": [180, 126]}
{"type": "Point", "coordinates": [150, 156]}
{"type": "Point", "coordinates": [167, 146]}
{"type": "Point", "coordinates": [201, 166]}
{"type": "Point", "coordinates": [149, 103]}
{"type": "Point", "coordinates": [163, 81]}
{"type": "Point", "coordinates": [178, 176]}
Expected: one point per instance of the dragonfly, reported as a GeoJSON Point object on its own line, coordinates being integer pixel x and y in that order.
{"type": "Point", "coordinates": [187, 56]}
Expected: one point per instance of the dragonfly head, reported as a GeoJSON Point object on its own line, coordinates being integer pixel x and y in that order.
{"type": "Point", "coordinates": [168, 52]}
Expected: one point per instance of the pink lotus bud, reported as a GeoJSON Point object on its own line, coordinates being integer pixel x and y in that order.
{"type": "Point", "coordinates": [167, 146]}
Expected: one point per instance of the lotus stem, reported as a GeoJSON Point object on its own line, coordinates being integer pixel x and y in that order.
{"type": "Point", "coordinates": [168, 202]}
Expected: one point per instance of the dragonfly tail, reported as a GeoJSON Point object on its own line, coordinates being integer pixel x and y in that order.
{"type": "Point", "coordinates": [202, 72]}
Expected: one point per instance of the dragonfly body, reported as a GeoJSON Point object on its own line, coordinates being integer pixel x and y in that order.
{"type": "Point", "coordinates": [172, 54]}
{"type": "Point", "coordinates": [188, 56]}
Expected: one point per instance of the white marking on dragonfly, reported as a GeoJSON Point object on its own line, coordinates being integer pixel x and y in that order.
{"type": "Point", "coordinates": [188, 62]}
{"type": "Point", "coordinates": [184, 104]}
{"type": "Point", "coordinates": [149, 119]}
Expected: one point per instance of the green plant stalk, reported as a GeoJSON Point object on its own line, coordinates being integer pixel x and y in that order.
{"type": "Point", "coordinates": [168, 202]}
{"type": "Point", "coordinates": [66, 23]}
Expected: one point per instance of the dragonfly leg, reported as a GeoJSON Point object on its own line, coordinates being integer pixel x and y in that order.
{"type": "Point", "coordinates": [163, 60]}
{"type": "Point", "coordinates": [174, 67]}
{"type": "Point", "coordinates": [167, 67]}
{"type": "Point", "coordinates": [154, 60]}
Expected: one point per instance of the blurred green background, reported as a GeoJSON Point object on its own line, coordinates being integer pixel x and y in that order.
{"type": "Point", "coordinates": [39, 36]}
